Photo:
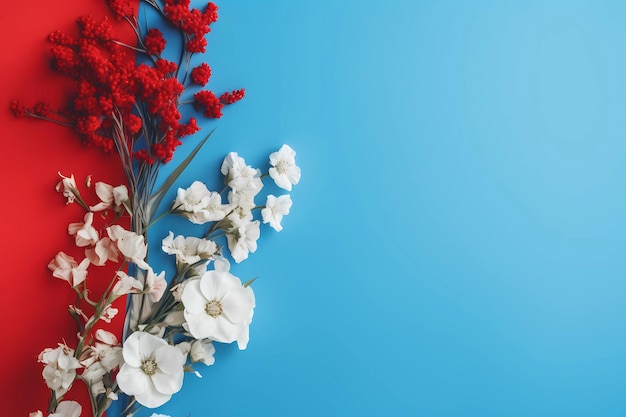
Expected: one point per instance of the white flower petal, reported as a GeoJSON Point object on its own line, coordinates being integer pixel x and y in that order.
{"type": "Point", "coordinates": [237, 304]}
{"type": "Point", "coordinates": [168, 384]}
{"type": "Point", "coordinates": [133, 381]}
{"type": "Point", "coordinates": [169, 359]}
{"type": "Point", "coordinates": [192, 298]}
{"type": "Point", "coordinates": [152, 398]}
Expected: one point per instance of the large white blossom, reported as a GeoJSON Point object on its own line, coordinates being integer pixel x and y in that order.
{"type": "Point", "coordinates": [60, 370]}
{"type": "Point", "coordinates": [284, 171]}
{"type": "Point", "coordinates": [132, 245]}
{"type": "Point", "coordinates": [217, 307]}
{"type": "Point", "coordinates": [198, 204]}
{"type": "Point", "coordinates": [109, 196]}
{"type": "Point", "coordinates": [66, 268]}
{"type": "Point", "coordinates": [188, 250]}
{"type": "Point", "coordinates": [275, 209]}
{"type": "Point", "coordinates": [152, 369]}
{"type": "Point", "coordinates": [84, 233]}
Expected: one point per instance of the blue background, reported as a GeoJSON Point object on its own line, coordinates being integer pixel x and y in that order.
{"type": "Point", "coordinates": [455, 247]}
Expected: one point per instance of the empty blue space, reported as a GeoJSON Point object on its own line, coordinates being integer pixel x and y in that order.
{"type": "Point", "coordinates": [456, 243]}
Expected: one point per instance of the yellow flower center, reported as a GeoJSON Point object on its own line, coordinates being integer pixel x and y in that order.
{"type": "Point", "coordinates": [213, 308]}
{"type": "Point", "coordinates": [282, 166]}
{"type": "Point", "coordinates": [149, 367]}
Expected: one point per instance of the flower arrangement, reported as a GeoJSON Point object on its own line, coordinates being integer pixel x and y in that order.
{"type": "Point", "coordinates": [132, 107]}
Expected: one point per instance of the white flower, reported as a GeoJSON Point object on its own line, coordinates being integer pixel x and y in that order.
{"type": "Point", "coordinates": [240, 177]}
{"type": "Point", "coordinates": [284, 170]}
{"type": "Point", "coordinates": [155, 285]}
{"type": "Point", "coordinates": [152, 369]}
{"type": "Point", "coordinates": [60, 369]}
{"type": "Point", "coordinates": [241, 201]}
{"type": "Point", "coordinates": [217, 307]}
{"type": "Point", "coordinates": [105, 250]}
{"type": "Point", "coordinates": [84, 233]}
{"type": "Point", "coordinates": [106, 351]}
{"type": "Point", "coordinates": [66, 268]}
{"type": "Point", "coordinates": [177, 290]}
{"type": "Point", "coordinates": [67, 409]}
{"type": "Point", "coordinates": [109, 313]}
{"type": "Point", "coordinates": [220, 263]}
{"type": "Point", "coordinates": [109, 196]}
{"type": "Point", "coordinates": [68, 187]}
{"type": "Point", "coordinates": [242, 240]}
{"type": "Point", "coordinates": [275, 209]}
{"type": "Point", "coordinates": [198, 204]}
{"type": "Point", "coordinates": [202, 351]}
{"type": "Point", "coordinates": [188, 250]}
{"type": "Point", "coordinates": [37, 413]}
{"type": "Point", "coordinates": [126, 285]}
{"type": "Point", "coordinates": [132, 245]}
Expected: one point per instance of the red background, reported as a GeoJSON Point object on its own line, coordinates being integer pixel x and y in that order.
{"type": "Point", "coordinates": [34, 216]}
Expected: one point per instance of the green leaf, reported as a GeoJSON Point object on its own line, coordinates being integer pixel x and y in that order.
{"type": "Point", "coordinates": [249, 282]}
{"type": "Point", "coordinates": [157, 197]}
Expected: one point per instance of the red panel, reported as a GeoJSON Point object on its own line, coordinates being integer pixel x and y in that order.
{"type": "Point", "coordinates": [34, 215]}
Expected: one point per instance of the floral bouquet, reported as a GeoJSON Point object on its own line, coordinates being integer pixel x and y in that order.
{"type": "Point", "coordinates": [133, 107]}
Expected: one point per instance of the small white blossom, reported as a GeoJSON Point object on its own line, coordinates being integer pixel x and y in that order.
{"type": "Point", "coordinates": [242, 240]}
{"type": "Point", "coordinates": [66, 268]}
{"type": "Point", "coordinates": [60, 369]}
{"type": "Point", "coordinates": [126, 285]}
{"type": "Point", "coordinates": [275, 209]}
{"type": "Point", "coordinates": [85, 234]}
{"type": "Point", "coordinates": [152, 369]}
{"type": "Point", "coordinates": [217, 307]}
{"type": "Point", "coordinates": [67, 409]}
{"type": "Point", "coordinates": [105, 250]}
{"type": "Point", "coordinates": [106, 351]}
{"type": "Point", "coordinates": [202, 351]}
{"type": "Point", "coordinates": [155, 285]}
{"type": "Point", "coordinates": [284, 171]}
{"type": "Point", "coordinates": [68, 187]}
{"type": "Point", "coordinates": [109, 313]}
{"type": "Point", "coordinates": [132, 245]}
{"type": "Point", "coordinates": [109, 196]}
{"type": "Point", "coordinates": [198, 204]}
{"type": "Point", "coordinates": [188, 250]}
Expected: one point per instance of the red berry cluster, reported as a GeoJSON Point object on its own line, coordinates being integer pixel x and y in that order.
{"type": "Point", "coordinates": [194, 23]}
{"type": "Point", "coordinates": [134, 108]}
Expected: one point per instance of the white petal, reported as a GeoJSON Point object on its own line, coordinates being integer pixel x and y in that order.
{"type": "Point", "coordinates": [131, 352]}
{"type": "Point", "coordinates": [170, 360]}
{"type": "Point", "coordinates": [133, 381]}
{"type": "Point", "coordinates": [192, 298]}
{"type": "Point", "coordinates": [215, 284]}
{"type": "Point", "coordinates": [152, 398]}
{"type": "Point", "coordinates": [168, 384]}
{"type": "Point", "coordinates": [237, 304]}
{"type": "Point", "coordinates": [202, 326]}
